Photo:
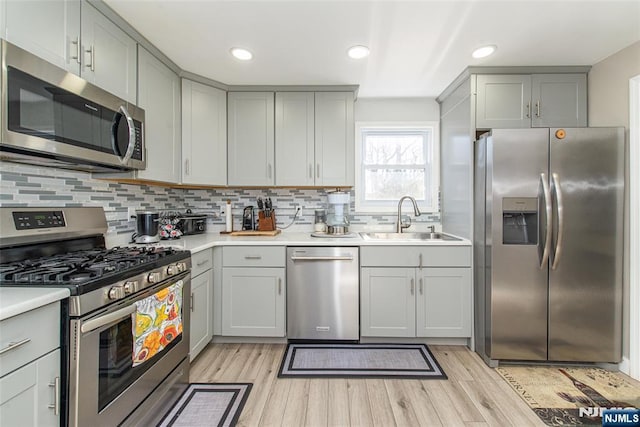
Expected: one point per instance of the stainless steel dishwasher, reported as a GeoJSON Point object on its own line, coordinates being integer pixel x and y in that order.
{"type": "Point", "coordinates": [323, 293]}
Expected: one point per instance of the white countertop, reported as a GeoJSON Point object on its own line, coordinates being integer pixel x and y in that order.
{"type": "Point", "coordinates": [14, 301]}
{"type": "Point", "coordinates": [199, 242]}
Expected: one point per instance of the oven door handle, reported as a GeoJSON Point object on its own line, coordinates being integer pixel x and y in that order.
{"type": "Point", "coordinates": [93, 324]}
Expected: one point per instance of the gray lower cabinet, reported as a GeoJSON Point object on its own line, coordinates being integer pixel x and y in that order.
{"type": "Point", "coordinates": [411, 302]}
{"type": "Point", "coordinates": [415, 292]}
{"type": "Point", "coordinates": [201, 302]}
{"type": "Point", "coordinates": [28, 395]}
{"type": "Point", "coordinates": [253, 291]}
{"type": "Point", "coordinates": [30, 368]}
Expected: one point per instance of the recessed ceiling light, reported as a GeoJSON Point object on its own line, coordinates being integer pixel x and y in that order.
{"type": "Point", "coordinates": [241, 54]}
{"type": "Point", "coordinates": [483, 51]}
{"type": "Point", "coordinates": [358, 52]}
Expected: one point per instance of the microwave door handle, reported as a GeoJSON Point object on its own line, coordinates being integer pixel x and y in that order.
{"type": "Point", "coordinates": [132, 135]}
{"type": "Point", "coordinates": [93, 324]}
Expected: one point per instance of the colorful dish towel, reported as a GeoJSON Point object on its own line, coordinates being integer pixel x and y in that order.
{"type": "Point", "coordinates": [156, 322]}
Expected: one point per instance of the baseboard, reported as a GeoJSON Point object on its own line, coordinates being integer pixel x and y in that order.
{"type": "Point", "coordinates": [218, 339]}
{"type": "Point", "coordinates": [625, 366]}
{"type": "Point", "coordinates": [429, 341]}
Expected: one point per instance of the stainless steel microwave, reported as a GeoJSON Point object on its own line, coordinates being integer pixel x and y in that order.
{"type": "Point", "coordinates": [52, 117]}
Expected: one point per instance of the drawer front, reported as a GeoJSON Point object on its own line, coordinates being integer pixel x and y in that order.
{"type": "Point", "coordinates": [39, 329]}
{"type": "Point", "coordinates": [201, 262]}
{"type": "Point", "coordinates": [253, 256]}
{"type": "Point", "coordinates": [413, 256]}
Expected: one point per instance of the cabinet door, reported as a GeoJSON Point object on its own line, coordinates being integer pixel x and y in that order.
{"type": "Point", "coordinates": [334, 141]}
{"type": "Point", "coordinates": [387, 302]}
{"type": "Point", "coordinates": [294, 138]}
{"type": "Point", "coordinates": [108, 54]}
{"type": "Point", "coordinates": [253, 302]}
{"type": "Point", "coordinates": [49, 29]}
{"type": "Point", "coordinates": [443, 306]}
{"type": "Point", "coordinates": [25, 394]}
{"type": "Point", "coordinates": [204, 134]}
{"type": "Point", "coordinates": [503, 101]}
{"type": "Point", "coordinates": [251, 138]}
{"type": "Point", "coordinates": [159, 95]}
{"type": "Point", "coordinates": [559, 100]}
{"type": "Point", "coordinates": [201, 302]}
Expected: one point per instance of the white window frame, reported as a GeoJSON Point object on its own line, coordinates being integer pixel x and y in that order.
{"type": "Point", "coordinates": [362, 206]}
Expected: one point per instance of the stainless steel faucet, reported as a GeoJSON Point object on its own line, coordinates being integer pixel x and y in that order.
{"type": "Point", "coordinates": [416, 212]}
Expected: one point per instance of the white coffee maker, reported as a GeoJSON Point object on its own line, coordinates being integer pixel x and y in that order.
{"type": "Point", "coordinates": [338, 212]}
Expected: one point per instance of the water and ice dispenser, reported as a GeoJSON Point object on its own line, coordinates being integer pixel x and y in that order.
{"type": "Point", "coordinates": [520, 221]}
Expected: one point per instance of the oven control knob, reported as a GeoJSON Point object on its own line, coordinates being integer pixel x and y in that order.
{"type": "Point", "coordinates": [183, 266]}
{"type": "Point", "coordinates": [173, 269]}
{"type": "Point", "coordinates": [154, 277]}
{"type": "Point", "coordinates": [130, 287]}
{"type": "Point", "coordinates": [116, 292]}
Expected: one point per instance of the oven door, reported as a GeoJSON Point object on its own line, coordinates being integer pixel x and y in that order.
{"type": "Point", "coordinates": [105, 385]}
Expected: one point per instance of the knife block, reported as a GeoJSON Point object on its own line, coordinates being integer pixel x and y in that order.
{"type": "Point", "coordinates": [266, 223]}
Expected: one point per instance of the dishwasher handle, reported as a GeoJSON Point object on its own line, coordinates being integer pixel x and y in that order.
{"type": "Point", "coordinates": [322, 258]}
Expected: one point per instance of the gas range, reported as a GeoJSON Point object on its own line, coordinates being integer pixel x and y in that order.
{"type": "Point", "coordinates": [62, 256]}
{"type": "Point", "coordinates": [99, 276]}
{"type": "Point", "coordinates": [110, 373]}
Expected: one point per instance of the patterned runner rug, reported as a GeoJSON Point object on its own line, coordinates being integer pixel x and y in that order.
{"type": "Point", "coordinates": [208, 405]}
{"type": "Point", "coordinates": [571, 395]}
{"type": "Point", "coordinates": [360, 360]}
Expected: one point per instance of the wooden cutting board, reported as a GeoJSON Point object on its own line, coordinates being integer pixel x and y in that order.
{"type": "Point", "coordinates": [252, 233]}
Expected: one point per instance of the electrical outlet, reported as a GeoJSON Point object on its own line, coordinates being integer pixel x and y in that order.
{"type": "Point", "coordinates": [297, 209]}
{"type": "Point", "coordinates": [131, 211]}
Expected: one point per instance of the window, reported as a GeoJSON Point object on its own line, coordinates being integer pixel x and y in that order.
{"type": "Point", "coordinates": [393, 160]}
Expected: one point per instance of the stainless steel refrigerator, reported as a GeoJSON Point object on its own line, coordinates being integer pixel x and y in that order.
{"type": "Point", "coordinates": [548, 244]}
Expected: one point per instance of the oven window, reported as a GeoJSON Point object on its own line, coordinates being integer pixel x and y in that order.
{"type": "Point", "coordinates": [115, 361]}
{"type": "Point", "coordinates": [116, 370]}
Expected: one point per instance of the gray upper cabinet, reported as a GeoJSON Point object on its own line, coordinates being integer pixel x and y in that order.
{"type": "Point", "coordinates": [295, 157]}
{"type": "Point", "coordinates": [503, 101]}
{"type": "Point", "coordinates": [559, 100]}
{"type": "Point", "coordinates": [537, 100]}
{"type": "Point", "coordinates": [204, 134]}
{"type": "Point", "coordinates": [75, 36]}
{"type": "Point", "coordinates": [251, 138]}
{"type": "Point", "coordinates": [49, 29]}
{"type": "Point", "coordinates": [159, 95]}
{"type": "Point", "coordinates": [108, 54]}
{"type": "Point", "coordinates": [334, 139]}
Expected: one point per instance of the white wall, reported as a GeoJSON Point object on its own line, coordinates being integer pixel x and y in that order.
{"type": "Point", "coordinates": [609, 106]}
{"type": "Point", "coordinates": [396, 109]}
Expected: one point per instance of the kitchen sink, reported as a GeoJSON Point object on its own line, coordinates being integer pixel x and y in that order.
{"type": "Point", "coordinates": [426, 236]}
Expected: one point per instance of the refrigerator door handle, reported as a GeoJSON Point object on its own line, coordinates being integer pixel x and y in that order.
{"type": "Point", "coordinates": [547, 208]}
{"type": "Point", "coordinates": [558, 193]}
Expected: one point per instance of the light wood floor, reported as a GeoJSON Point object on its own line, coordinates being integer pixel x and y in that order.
{"type": "Point", "coordinates": [474, 395]}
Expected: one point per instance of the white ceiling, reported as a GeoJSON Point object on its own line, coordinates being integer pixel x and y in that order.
{"type": "Point", "coordinates": [417, 47]}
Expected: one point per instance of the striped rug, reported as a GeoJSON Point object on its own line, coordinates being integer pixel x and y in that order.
{"type": "Point", "coordinates": [412, 361]}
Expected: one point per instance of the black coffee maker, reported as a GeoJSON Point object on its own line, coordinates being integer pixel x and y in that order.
{"type": "Point", "coordinates": [248, 218]}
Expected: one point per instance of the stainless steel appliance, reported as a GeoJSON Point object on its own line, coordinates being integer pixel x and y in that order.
{"type": "Point", "coordinates": [52, 117]}
{"type": "Point", "coordinates": [193, 223]}
{"type": "Point", "coordinates": [64, 247]}
{"type": "Point", "coordinates": [323, 293]}
{"type": "Point", "coordinates": [147, 227]}
{"type": "Point", "coordinates": [548, 244]}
